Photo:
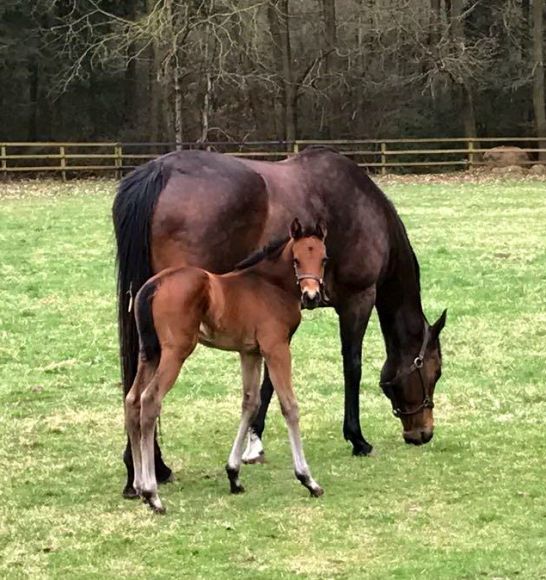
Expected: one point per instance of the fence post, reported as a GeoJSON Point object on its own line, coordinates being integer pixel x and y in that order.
{"type": "Point", "coordinates": [470, 153]}
{"type": "Point", "coordinates": [118, 161]}
{"type": "Point", "coordinates": [295, 147]}
{"type": "Point", "coordinates": [63, 162]}
{"type": "Point", "coordinates": [383, 158]}
{"type": "Point", "coordinates": [4, 160]}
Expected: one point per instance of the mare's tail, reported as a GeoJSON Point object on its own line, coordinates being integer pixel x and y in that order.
{"type": "Point", "coordinates": [132, 213]}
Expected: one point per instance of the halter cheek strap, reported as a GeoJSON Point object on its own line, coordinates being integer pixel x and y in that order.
{"type": "Point", "coordinates": [417, 365]}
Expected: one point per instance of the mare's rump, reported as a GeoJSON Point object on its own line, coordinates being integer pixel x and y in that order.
{"type": "Point", "coordinates": [211, 212]}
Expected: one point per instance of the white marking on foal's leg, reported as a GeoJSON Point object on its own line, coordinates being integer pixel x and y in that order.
{"type": "Point", "coordinates": [303, 473]}
{"type": "Point", "coordinates": [233, 466]}
{"type": "Point", "coordinates": [254, 452]}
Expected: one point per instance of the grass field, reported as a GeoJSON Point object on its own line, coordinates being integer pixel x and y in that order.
{"type": "Point", "coordinates": [470, 504]}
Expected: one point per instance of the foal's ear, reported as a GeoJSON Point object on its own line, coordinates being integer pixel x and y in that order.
{"type": "Point", "coordinates": [296, 231]}
{"type": "Point", "coordinates": [437, 327]}
{"type": "Point", "coordinates": [321, 230]}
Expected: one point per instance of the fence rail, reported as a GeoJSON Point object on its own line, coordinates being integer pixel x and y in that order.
{"type": "Point", "coordinates": [380, 155]}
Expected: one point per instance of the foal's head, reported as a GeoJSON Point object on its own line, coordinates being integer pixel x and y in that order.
{"type": "Point", "coordinates": [309, 254]}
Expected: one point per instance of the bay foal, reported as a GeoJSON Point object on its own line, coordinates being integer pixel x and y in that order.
{"type": "Point", "coordinates": [253, 310]}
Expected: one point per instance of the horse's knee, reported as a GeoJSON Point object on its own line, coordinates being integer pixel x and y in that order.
{"type": "Point", "coordinates": [251, 401]}
{"type": "Point", "coordinates": [150, 407]}
{"type": "Point", "coordinates": [290, 412]}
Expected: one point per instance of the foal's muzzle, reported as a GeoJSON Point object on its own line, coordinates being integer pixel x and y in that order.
{"type": "Point", "coordinates": [310, 302]}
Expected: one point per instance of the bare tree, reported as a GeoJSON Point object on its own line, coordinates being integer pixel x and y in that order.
{"type": "Point", "coordinates": [538, 73]}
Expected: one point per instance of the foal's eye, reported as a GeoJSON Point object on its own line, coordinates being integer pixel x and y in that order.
{"type": "Point", "coordinates": [296, 262]}
{"type": "Point", "coordinates": [325, 259]}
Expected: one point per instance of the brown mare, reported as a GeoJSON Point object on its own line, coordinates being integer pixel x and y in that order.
{"type": "Point", "coordinates": [210, 210]}
{"type": "Point", "coordinates": [254, 310]}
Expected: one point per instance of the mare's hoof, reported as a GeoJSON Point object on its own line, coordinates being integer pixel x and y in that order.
{"type": "Point", "coordinates": [316, 492]}
{"type": "Point", "coordinates": [260, 458]}
{"type": "Point", "coordinates": [164, 475]}
{"type": "Point", "coordinates": [362, 449]}
{"type": "Point", "coordinates": [129, 492]}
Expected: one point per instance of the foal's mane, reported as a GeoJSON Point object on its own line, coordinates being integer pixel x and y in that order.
{"type": "Point", "coordinates": [268, 252]}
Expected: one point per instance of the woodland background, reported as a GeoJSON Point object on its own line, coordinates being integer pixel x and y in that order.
{"type": "Point", "coordinates": [198, 70]}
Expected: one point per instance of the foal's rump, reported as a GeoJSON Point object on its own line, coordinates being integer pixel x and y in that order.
{"type": "Point", "coordinates": [169, 308]}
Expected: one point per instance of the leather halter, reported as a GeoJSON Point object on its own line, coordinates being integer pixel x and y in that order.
{"type": "Point", "coordinates": [417, 365]}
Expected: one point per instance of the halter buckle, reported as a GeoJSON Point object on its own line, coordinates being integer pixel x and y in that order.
{"type": "Point", "coordinates": [418, 362]}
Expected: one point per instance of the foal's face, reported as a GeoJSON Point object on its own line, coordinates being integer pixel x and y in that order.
{"type": "Point", "coordinates": [309, 255]}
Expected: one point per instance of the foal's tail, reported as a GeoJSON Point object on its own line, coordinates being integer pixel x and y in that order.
{"type": "Point", "coordinates": [132, 213]}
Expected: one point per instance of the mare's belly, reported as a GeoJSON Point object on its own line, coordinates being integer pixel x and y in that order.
{"type": "Point", "coordinates": [215, 338]}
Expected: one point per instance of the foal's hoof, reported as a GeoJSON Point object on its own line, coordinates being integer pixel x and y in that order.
{"type": "Point", "coordinates": [129, 492]}
{"type": "Point", "coordinates": [157, 509]}
{"type": "Point", "coordinates": [316, 491]}
{"type": "Point", "coordinates": [152, 499]}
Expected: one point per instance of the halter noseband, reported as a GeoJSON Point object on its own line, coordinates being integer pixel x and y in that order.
{"type": "Point", "coordinates": [417, 365]}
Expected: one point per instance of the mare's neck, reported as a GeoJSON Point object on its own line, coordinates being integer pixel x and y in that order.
{"type": "Point", "coordinates": [399, 305]}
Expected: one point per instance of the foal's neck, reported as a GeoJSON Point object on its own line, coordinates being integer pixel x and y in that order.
{"type": "Point", "coordinates": [280, 271]}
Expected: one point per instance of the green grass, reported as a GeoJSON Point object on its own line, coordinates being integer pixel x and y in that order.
{"type": "Point", "coordinates": [469, 504]}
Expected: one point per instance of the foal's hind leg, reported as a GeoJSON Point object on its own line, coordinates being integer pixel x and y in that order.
{"type": "Point", "coordinates": [132, 418]}
{"type": "Point", "coordinates": [251, 367]}
{"type": "Point", "coordinates": [278, 360]}
{"type": "Point", "coordinates": [150, 407]}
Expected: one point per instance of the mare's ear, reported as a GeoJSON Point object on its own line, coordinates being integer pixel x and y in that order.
{"type": "Point", "coordinates": [321, 230]}
{"type": "Point", "coordinates": [296, 231]}
{"type": "Point", "coordinates": [437, 327]}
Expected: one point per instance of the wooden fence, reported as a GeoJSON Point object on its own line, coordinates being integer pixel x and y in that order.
{"type": "Point", "coordinates": [381, 156]}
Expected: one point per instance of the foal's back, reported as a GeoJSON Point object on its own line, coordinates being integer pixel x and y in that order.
{"type": "Point", "coordinates": [235, 311]}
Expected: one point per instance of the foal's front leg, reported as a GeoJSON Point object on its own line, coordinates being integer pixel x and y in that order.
{"type": "Point", "coordinates": [278, 360]}
{"type": "Point", "coordinates": [251, 369]}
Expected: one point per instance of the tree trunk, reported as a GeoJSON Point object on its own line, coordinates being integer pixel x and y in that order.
{"type": "Point", "coordinates": [130, 84]}
{"type": "Point", "coordinates": [330, 61]}
{"type": "Point", "coordinates": [279, 22]}
{"type": "Point", "coordinates": [154, 88]}
{"type": "Point", "coordinates": [538, 74]}
{"type": "Point", "coordinates": [172, 13]}
{"type": "Point", "coordinates": [464, 88]}
{"type": "Point", "coordinates": [33, 99]}
{"type": "Point", "coordinates": [275, 30]}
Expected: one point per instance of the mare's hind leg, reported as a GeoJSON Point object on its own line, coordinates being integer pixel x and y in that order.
{"type": "Point", "coordinates": [150, 407]}
{"type": "Point", "coordinates": [132, 420]}
{"type": "Point", "coordinates": [251, 367]}
{"type": "Point", "coordinates": [278, 360]}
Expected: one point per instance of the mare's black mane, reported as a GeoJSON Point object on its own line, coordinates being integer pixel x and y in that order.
{"type": "Point", "coordinates": [271, 250]}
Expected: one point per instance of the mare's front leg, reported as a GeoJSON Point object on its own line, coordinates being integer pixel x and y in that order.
{"type": "Point", "coordinates": [278, 360]}
{"type": "Point", "coordinates": [254, 452]}
{"type": "Point", "coordinates": [354, 313]}
{"type": "Point", "coordinates": [251, 368]}
{"type": "Point", "coordinates": [150, 407]}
